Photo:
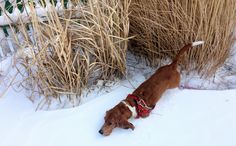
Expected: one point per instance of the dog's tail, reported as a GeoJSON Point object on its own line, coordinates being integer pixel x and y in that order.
{"type": "Point", "coordinates": [183, 50]}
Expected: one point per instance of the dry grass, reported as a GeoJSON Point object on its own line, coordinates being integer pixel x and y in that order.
{"type": "Point", "coordinates": [162, 27]}
{"type": "Point", "coordinates": [70, 54]}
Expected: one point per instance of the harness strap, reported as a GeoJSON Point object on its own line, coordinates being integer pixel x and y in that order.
{"type": "Point", "coordinates": [141, 107]}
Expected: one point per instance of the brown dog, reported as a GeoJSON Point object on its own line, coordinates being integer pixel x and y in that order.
{"type": "Point", "coordinates": [144, 98]}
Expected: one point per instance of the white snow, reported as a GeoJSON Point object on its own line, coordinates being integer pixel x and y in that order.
{"type": "Point", "coordinates": [182, 117]}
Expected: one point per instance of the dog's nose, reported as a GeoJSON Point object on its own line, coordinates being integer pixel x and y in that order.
{"type": "Point", "coordinates": [101, 131]}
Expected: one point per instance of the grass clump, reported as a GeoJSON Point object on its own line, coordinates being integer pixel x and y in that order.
{"type": "Point", "coordinates": [69, 53]}
{"type": "Point", "coordinates": [162, 27]}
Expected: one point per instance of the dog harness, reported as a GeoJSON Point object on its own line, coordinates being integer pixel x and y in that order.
{"type": "Point", "coordinates": [142, 109]}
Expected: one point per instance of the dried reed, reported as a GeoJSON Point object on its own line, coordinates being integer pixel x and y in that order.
{"type": "Point", "coordinates": [70, 54]}
{"type": "Point", "coordinates": [162, 27]}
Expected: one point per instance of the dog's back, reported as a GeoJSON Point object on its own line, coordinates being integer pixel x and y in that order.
{"type": "Point", "coordinates": [166, 77]}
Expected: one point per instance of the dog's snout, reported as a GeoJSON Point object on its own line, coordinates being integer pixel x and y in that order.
{"type": "Point", "coordinates": [101, 131]}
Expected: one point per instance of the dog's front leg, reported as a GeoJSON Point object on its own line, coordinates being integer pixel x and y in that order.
{"type": "Point", "coordinates": [127, 125]}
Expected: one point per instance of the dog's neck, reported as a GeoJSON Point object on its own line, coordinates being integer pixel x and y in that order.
{"type": "Point", "coordinates": [132, 109]}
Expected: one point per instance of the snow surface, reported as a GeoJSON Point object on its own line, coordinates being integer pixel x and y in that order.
{"type": "Point", "coordinates": [182, 117]}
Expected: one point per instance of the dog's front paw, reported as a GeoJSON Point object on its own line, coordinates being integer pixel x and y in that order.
{"type": "Point", "coordinates": [128, 125]}
{"type": "Point", "coordinates": [131, 126]}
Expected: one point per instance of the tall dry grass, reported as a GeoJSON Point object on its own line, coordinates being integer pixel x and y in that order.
{"type": "Point", "coordinates": [70, 54]}
{"type": "Point", "coordinates": [162, 27]}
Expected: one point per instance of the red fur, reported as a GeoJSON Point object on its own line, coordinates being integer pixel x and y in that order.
{"type": "Point", "coordinates": [166, 77]}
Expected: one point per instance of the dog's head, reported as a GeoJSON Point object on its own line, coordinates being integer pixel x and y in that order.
{"type": "Point", "coordinates": [116, 117]}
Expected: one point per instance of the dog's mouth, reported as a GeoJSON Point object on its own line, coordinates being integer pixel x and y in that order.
{"type": "Point", "coordinates": [105, 132]}
{"type": "Point", "coordinates": [106, 129]}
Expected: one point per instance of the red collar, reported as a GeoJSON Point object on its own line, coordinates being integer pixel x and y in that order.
{"type": "Point", "coordinates": [141, 107]}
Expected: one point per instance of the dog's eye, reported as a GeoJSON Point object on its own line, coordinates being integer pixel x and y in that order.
{"type": "Point", "coordinates": [109, 123]}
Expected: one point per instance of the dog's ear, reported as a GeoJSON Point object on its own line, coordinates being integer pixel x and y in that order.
{"type": "Point", "coordinates": [107, 114]}
{"type": "Point", "coordinates": [127, 125]}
